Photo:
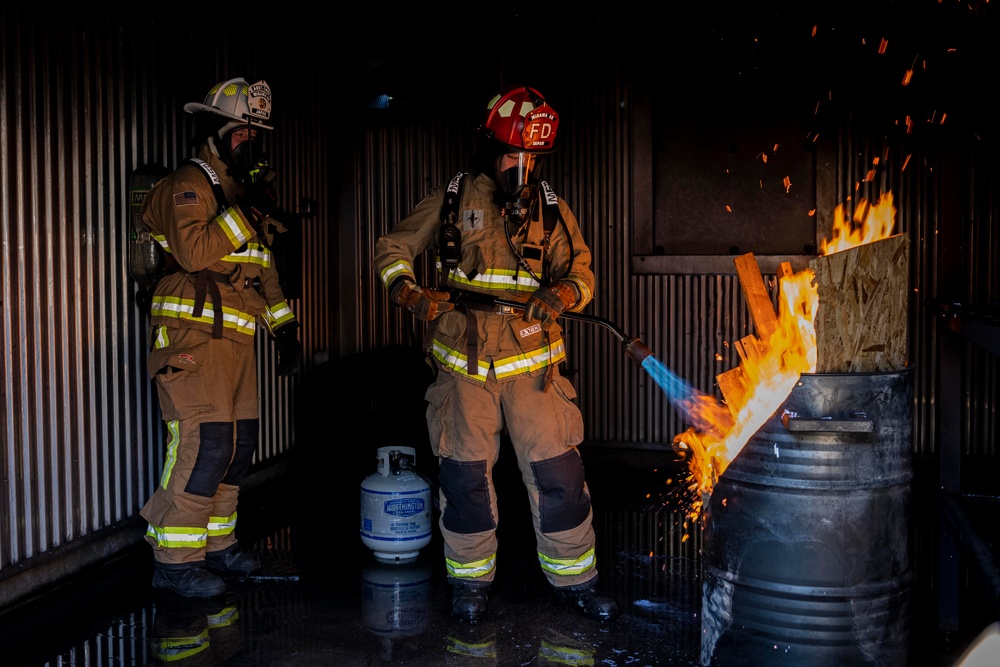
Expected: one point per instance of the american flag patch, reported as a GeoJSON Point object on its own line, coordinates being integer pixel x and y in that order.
{"type": "Point", "coordinates": [188, 198]}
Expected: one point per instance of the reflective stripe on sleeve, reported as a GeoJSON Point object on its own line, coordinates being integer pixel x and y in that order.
{"type": "Point", "coordinates": [393, 271]}
{"type": "Point", "coordinates": [238, 231]}
{"type": "Point", "coordinates": [279, 314]}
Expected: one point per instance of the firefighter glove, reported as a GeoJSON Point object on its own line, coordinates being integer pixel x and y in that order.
{"type": "Point", "coordinates": [549, 302]}
{"type": "Point", "coordinates": [425, 303]}
{"type": "Point", "coordinates": [289, 350]}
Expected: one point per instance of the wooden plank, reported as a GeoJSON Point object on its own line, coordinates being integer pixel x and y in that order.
{"type": "Point", "coordinates": [755, 292]}
{"type": "Point", "coordinates": [862, 316]}
{"type": "Point", "coordinates": [750, 348]}
{"type": "Point", "coordinates": [733, 385]}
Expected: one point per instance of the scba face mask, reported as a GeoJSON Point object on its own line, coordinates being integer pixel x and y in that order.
{"type": "Point", "coordinates": [248, 162]}
{"type": "Point", "coordinates": [517, 181]}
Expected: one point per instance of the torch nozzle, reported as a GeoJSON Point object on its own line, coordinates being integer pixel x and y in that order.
{"type": "Point", "coordinates": [637, 350]}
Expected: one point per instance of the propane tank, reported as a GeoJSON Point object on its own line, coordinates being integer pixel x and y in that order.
{"type": "Point", "coordinates": [395, 507]}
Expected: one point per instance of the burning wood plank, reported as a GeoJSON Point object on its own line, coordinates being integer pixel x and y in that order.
{"type": "Point", "coordinates": [733, 385]}
{"type": "Point", "coordinates": [755, 292]}
{"type": "Point", "coordinates": [862, 317]}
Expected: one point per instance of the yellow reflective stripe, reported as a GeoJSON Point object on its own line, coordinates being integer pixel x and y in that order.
{"type": "Point", "coordinates": [393, 271]}
{"type": "Point", "coordinates": [254, 254]}
{"type": "Point", "coordinates": [175, 537]}
{"type": "Point", "coordinates": [238, 231]}
{"type": "Point", "coordinates": [221, 525]}
{"type": "Point", "coordinates": [457, 361]}
{"type": "Point", "coordinates": [525, 363]}
{"type": "Point", "coordinates": [495, 279]}
{"type": "Point", "coordinates": [568, 566]}
{"type": "Point", "coordinates": [474, 570]}
{"type": "Point", "coordinates": [480, 650]}
{"type": "Point", "coordinates": [510, 366]}
{"type": "Point", "coordinates": [183, 309]}
{"type": "Point", "coordinates": [162, 240]}
{"type": "Point", "coordinates": [585, 295]}
{"type": "Point", "coordinates": [279, 314]}
{"type": "Point", "coordinates": [172, 649]}
{"type": "Point", "coordinates": [564, 655]}
{"type": "Point", "coordinates": [162, 338]}
{"type": "Point", "coordinates": [171, 458]}
{"type": "Point", "coordinates": [224, 618]}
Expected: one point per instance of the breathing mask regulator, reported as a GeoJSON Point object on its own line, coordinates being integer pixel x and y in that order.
{"type": "Point", "coordinates": [517, 186]}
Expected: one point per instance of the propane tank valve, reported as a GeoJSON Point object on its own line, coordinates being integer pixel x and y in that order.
{"type": "Point", "coordinates": [399, 461]}
{"type": "Point", "coordinates": [637, 350]}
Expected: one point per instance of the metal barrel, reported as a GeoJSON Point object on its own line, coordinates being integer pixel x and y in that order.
{"type": "Point", "coordinates": [807, 545]}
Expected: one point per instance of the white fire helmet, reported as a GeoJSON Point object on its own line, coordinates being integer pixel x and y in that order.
{"type": "Point", "coordinates": [238, 101]}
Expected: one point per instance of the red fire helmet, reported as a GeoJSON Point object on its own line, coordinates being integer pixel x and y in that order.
{"type": "Point", "coordinates": [520, 120]}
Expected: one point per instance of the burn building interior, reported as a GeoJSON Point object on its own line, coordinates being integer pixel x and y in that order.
{"type": "Point", "coordinates": [689, 139]}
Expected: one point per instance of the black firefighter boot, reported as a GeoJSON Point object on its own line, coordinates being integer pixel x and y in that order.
{"type": "Point", "coordinates": [231, 561]}
{"type": "Point", "coordinates": [588, 601]}
{"type": "Point", "coordinates": [191, 580]}
{"type": "Point", "coordinates": [468, 602]}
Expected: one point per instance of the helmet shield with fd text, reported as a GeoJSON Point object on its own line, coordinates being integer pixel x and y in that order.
{"type": "Point", "coordinates": [519, 127]}
{"type": "Point", "coordinates": [230, 106]}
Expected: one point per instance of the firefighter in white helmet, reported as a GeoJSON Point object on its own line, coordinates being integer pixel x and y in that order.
{"type": "Point", "coordinates": [501, 233]}
{"type": "Point", "coordinates": [213, 218]}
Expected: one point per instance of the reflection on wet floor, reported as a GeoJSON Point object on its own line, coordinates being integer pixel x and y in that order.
{"type": "Point", "coordinates": [323, 599]}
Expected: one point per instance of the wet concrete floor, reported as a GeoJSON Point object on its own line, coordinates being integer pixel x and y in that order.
{"type": "Point", "coordinates": [323, 599]}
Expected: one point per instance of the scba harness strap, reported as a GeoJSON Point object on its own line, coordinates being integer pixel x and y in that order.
{"type": "Point", "coordinates": [450, 253]}
{"type": "Point", "coordinates": [450, 236]}
{"type": "Point", "coordinates": [207, 282]}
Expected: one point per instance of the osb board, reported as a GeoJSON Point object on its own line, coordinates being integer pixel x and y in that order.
{"type": "Point", "coordinates": [861, 319]}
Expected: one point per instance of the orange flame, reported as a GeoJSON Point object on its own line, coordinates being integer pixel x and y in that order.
{"type": "Point", "coordinates": [721, 431]}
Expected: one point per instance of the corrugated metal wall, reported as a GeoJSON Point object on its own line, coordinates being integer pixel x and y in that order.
{"type": "Point", "coordinates": [86, 99]}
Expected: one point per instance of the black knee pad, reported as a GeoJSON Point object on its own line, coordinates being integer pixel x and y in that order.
{"type": "Point", "coordinates": [562, 502]}
{"type": "Point", "coordinates": [464, 485]}
{"type": "Point", "coordinates": [214, 454]}
{"type": "Point", "coordinates": [247, 437]}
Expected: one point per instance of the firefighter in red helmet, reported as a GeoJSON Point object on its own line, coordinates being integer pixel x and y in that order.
{"type": "Point", "coordinates": [213, 219]}
{"type": "Point", "coordinates": [501, 233]}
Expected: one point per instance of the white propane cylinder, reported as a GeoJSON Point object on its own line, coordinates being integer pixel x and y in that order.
{"type": "Point", "coordinates": [395, 508]}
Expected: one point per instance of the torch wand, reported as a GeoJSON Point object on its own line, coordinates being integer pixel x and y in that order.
{"type": "Point", "coordinates": [634, 348]}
